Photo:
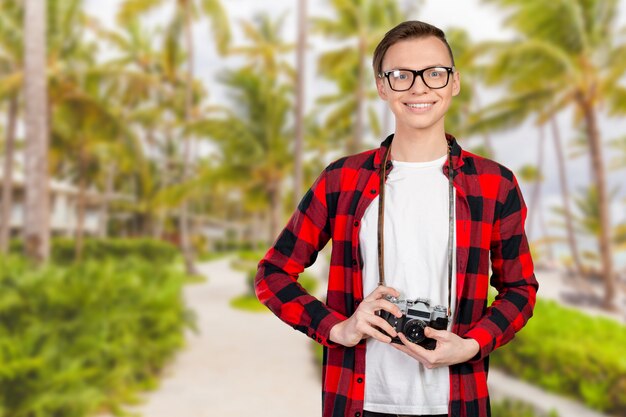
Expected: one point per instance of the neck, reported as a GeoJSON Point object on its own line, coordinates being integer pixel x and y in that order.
{"type": "Point", "coordinates": [418, 148]}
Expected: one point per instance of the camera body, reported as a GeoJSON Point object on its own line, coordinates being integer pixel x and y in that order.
{"type": "Point", "coordinates": [416, 316]}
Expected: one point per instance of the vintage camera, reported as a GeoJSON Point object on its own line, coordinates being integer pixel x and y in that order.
{"type": "Point", "coordinates": [416, 315]}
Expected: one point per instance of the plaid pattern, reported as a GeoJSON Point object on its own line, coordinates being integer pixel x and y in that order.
{"type": "Point", "coordinates": [490, 215]}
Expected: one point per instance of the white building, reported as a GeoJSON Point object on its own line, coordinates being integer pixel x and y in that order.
{"type": "Point", "coordinates": [63, 208]}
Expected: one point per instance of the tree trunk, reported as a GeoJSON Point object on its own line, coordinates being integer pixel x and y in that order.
{"type": "Point", "coordinates": [185, 240]}
{"type": "Point", "coordinates": [357, 140]}
{"type": "Point", "coordinates": [158, 221]}
{"type": "Point", "coordinates": [567, 210]}
{"type": "Point", "coordinates": [597, 165]}
{"type": "Point", "coordinates": [7, 184]}
{"type": "Point", "coordinates": [81, 202]}
{"type": "Point", "coordinates": [103, 227]}
{"type": "Point", "coordinates": [275, 210]}
{"type": "Point", "coordinates": [534, 200]}
{"type": "Point", "coordinates": [36, 209]}
{"type": "Point", "coordinates": [300, 100]}
{"type": "Point", "coordinates": [536, 192]}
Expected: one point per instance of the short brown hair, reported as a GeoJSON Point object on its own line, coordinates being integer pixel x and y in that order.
{"type": "Point", "coordinates": [410, 29]}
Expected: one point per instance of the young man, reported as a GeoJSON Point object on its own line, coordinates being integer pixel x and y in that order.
{"type": "Point", "coordinates": [397, 207]}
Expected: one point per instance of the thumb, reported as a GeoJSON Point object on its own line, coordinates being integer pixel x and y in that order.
{"type": "Point", "coordinates": [435, 334]}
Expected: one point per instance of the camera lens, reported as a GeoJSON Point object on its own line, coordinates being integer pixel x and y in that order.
{"type": "Point", "coordinates": [414, 330]}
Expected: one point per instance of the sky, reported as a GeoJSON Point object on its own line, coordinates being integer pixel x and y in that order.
{"type": "Point", "coordinates": [483, 22]}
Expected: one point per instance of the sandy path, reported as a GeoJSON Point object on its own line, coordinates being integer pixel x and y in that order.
{"type": "Point", "coordinates": [239, 364]}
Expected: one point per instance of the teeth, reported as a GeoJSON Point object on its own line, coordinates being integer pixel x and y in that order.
{"type": "Point", "coordinates": [420, 105]}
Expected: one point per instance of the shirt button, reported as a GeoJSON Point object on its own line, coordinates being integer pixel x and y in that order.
{"type": "Point", "coordinates": [357, 302]}
{"type": "Point", "coordinates": [357, 414]}
{"type": "Point", "coordinates": [319, 339]}
{"type": "Point", "coordinates": [359, 380]}
{"type": "Point", "coordinates": [373, 191]}
{"type": "Point", "coordinates": [356, 223]}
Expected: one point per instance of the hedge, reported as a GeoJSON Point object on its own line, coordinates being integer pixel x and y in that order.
{"type": "Point", "coordinates": [86, 337]}
{"type": "Point", "coordinates": [571, 353]}
{"type": "Point", "coordinates": [510, 408]}
{"type": "Point", "coordinates": [63, 249]}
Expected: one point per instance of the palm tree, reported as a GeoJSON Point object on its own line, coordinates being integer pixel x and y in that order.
{"type": "Point", "coordinates": [534, 175]}
{"type": "Point", "coordinates": [36, 212]}
{"type": "Point", "coordinates": [254, 140]}
{"type": "Point", "coordinates": [566, 49]}
{"type": "Point", "coordinates": [144, 77]}
{"type": "Point", "coordinates": [181, 27]}
{"type": "Point", "coordinates": [565, 196]}
{"type": "Point", "coordinates": [89, 124]}
{"type": "Point", "coordinates": [300, 100]}
{"type": "Point", "coordinates": [458, 117]}
{"type": "Point", "coordinates": [10, 86]}
{"type": "Point", "coordinates": [362, 23]}
{"type": "Point", "coordinates": [7, 177]}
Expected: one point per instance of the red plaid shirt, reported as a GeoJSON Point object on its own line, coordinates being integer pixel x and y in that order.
{"type": "Point", "coordinates": [490, 215]}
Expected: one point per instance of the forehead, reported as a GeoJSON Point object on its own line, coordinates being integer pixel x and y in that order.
{"type": "Point", "coordinates": [416, 53]}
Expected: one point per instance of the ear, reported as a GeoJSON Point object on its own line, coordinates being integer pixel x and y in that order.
{"type": "Point", "coordinates": [456, 83]}
{"type": "Point", "coordinates": [380, 87]}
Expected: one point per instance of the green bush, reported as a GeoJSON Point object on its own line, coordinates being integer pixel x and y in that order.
{"type": "Point", "coordinates": [63, 249]}
{"type": "Point", "coordinates": [85, 337]}
{"type": "Point", "coordinates": [569, 352]}
{"type": "Point", "coordinates": [508, 408]}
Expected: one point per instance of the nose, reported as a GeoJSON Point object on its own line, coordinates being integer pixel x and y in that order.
{"type": "Point", "coordinates": [418, 87]}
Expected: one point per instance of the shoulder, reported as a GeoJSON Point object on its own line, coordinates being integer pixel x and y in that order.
{"type": "Point", "coordinates": [362, 160]}
{"type": "Point", "coordinates": [483, 178]}
{"type": "Point", "coordinates": [476, 165]}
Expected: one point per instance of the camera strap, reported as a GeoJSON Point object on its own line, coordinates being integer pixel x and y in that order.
{"type": "Point", "coordinates": [381, 222]}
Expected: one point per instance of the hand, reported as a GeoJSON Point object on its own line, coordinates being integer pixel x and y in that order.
{"type": "Point", "coordinates": [365, 322]}
{"type": "Point", "coordinates": [450, 350]}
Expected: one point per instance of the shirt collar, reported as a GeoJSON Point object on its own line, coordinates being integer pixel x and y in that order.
{"type": "Point", "coordinates": [457, 160]}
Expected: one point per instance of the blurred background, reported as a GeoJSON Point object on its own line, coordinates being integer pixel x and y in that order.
{"type": "Point", "coordinates": [152, 150]}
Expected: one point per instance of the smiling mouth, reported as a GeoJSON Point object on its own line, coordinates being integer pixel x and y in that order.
{"type": "Point", "coordinates": [419, 105]}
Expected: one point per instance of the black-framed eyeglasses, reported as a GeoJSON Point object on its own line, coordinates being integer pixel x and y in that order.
{"type": "Point", "coordinates": [403, 79]}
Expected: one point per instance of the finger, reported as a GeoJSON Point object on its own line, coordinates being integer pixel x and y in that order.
{"type": "Point", "coordinates": [388, 306]}
{"type": "Point", "coordinates": [410, 350]}
{"type": "Point", "coordinates": [372, 321]}
{"type": "Point", "coordinates": [381, 291]}
{"type": "Point", "coordinates": [435, 334]}
{"type": "Point", "coordinates": [383, 325]}
{"type": "Point", "coordinates": [413, 346]}
{"type": "Point", "coordinates": [402, 348]}
{"type": "Point", "coordinates": [416, 351]}
{"type": "Point", "coordinates": [376, 334]}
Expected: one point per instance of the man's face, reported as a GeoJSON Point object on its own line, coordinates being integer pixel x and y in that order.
{"type": "Point", "coordinates": [420, 109]}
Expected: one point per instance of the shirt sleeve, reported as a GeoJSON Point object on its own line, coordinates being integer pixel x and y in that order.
{"type": "Point", "coordinates": [512, 275]}
{"type": "Point", "coordinates": [296, 248]}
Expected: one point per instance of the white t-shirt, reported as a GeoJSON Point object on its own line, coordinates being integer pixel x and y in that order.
{"type": "Point", "coordinates": [416, 264]}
